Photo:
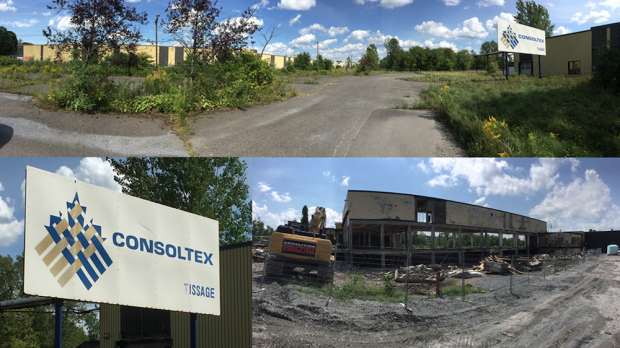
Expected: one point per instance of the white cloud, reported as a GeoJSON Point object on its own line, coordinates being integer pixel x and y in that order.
{"type": "Point", "coordinates": [6, 6]}
{"type": "Point", "coordinates": [94, 171]}
{"type": "Point", "coordinates": [561, 31]}
{"type": "Point", "coordinates": [596, 17]}
{"type": "Point", "coordinates": [326, 43]}
{"type": "Point", "coordinates": [298, 5]}
{"type": "Point", "coordinates": [574, 163]}
{"type": "Point", "coordinates": [466, 7]}
{"type": "Point", "coordinates": [19, 24]}
{"type": "Point", "coordinates": [423, 167]}
{"type": "Point", "coordinates": [492, 23]}
{"type": "Point", "coordinates": [378, 38]}
{"type": "Point", "coordinates": [613, 4]}
{"type": "Point", "coordinates": [488, 176]}
{"type": "Point", "coordinates": [550, 4]}
{"type": "Point", "coordinates": [51, 22]}
{"type": "Point", "coordinates": [280, 198]}
{"type": "Point", "coordinates": [358, 35]}
{"type": "Point", "coordinates": [487, 3]}
{"type": "Point", "coordinates": [294, 20]}
{"type": "Point", "coordinates": [443, 44]}
{"type": "Point", "coordinates": [594, 208]}
{"type": "Point", "coordinates": [591, 5]}
{"type": "Point", "coordinates": [315, 27]}
{"type": "Point", "coordinates": [64, 23]}
{"type": "Point", "coordinates": [48, 13]}
{"type": "Point", "coordinates": [480, 200]}
{"type": "Point", "coordinates": [304, 40]}
{"type": "Point", "coordinates": [326, 173]}
{"type": "Point", "coordinates": [409, 43]}
{"type": "Point", "coordinates": [451, 2]}
{"type": "Point", "coordinates": [389, 4]}
{"type": "Point", "coordinates": [10, 227]}
{"type": "Point", "coordinates": [345, 180]}
{"type": "Point", "coordinates": [471, 28]}
{"type": "Point", "coordinates": [333, 31]}
{"type": "Point", "coordinates": [261, 4]}
{"type": "Point", "coordinates": [271, 219]}
{"type": "Point", "coordinates": [263, 187]}
{"type": "Point", "coordinates": [279, 48]}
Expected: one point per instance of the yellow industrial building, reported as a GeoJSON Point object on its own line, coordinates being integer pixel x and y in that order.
{"type": "Point", "coordinates": [570, 54]}
{"type": "Point", "coordinates": [167, 55]}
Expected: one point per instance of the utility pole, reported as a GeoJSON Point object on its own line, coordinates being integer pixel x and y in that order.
{"type": "Point", "coordinates": [156, 49]}
{"type": "Point", "coordinates": [317, 50]}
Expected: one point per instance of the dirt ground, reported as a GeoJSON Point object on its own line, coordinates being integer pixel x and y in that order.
{"type": "Point", "coordinates": [575, 308]}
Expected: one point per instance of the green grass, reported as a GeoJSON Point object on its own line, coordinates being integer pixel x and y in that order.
{"type": "Point", "coordinates": [523, 117]}
{"type": "Point", "coordinates": [355, 288]}
{"type": "Point", "coordinates": [454, 288]}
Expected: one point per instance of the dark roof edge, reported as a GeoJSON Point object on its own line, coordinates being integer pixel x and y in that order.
{"type": "Point", "coordinates": [235, 246]}
{"type": "Point", "coordinates": [447, 200]}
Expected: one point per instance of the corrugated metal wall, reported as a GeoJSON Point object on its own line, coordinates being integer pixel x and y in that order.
{"type": "Point", "coordinates": [564, 49]}
{"type": "Point", "coordinates": [109, 323]}
{"type": "Point", "coordinates": [233, 328]}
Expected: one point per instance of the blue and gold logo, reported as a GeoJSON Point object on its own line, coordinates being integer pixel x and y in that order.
{"type": "Point", "coordinates": [509, 38]}
{"type": "Point", "coordinates": [79, 245]}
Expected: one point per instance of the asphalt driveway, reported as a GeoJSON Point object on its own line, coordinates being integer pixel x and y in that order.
{"type": "Point", "coordinates": [348, 116]}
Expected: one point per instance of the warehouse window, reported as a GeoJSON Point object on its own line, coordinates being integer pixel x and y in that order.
{"type": "Point", "coordinates": [574, 67]}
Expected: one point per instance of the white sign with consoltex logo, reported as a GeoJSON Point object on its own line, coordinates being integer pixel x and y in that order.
{"type": "Point", "coordinates": [87, 243]}
{"type": "Point", "coordinates": [517, 38]}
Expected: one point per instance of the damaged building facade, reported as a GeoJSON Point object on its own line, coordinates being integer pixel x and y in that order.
{"type": "Point", "coordinates": [376, 225]}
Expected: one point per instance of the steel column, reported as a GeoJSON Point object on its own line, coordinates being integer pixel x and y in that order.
{"type": "Point", "coordinates": [58, 326]}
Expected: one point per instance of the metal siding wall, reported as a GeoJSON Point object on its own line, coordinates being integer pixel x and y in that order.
{"type": "Point", "coordinates": [109, 322]}
{"type": "Point", "coordinates": [179, 329]}
{"type": "Point", "coordinates": [564, 49]}
{"type": "Point", "coordinates": [599, 37]}
{"type": "Point", "coordinates": [615, 35]}
{"type": "Point", "coordinates": [601, 239]}
{"type": "Point", "coordinates": [32, 51]}
{"type": "Point", "coordinates": [233, 328]}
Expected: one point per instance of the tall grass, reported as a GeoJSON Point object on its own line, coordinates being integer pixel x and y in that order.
{"type": "Point", "coordinates": [550, 117]}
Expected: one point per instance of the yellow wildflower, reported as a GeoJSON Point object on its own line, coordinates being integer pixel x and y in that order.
{"type": "Point", "coordinates": [553, 136]}
{"type": "Point", "coordinates": [531, 136]}
{"type": "Point", "coordinates": [503, 154]}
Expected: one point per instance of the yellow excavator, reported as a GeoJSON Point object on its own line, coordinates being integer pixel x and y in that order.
{"type": "Point", "coordinates": [296, 249]}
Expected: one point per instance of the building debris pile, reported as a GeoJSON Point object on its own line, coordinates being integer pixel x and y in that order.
{"type": "Point", "coordinates": [259, 250]}
{"type": "Point", "coordinates": [420, 274]}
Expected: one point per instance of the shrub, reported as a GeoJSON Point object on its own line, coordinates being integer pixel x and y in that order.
{"type": "Point", "coordinates": [492, 67]}
{"type": "Point", "coordinates": [89, 90]}
{"type": "Point", "coordinates": [606, 73]}
{"type": "Point", "coordinates": [364, 67]}
{"type": "Point", "coordinates": [8, 61]}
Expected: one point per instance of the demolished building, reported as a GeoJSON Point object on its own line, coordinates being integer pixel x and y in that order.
{"type": "Point", "coordinates": [376, 225]}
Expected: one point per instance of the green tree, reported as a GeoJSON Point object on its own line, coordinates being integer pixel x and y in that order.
{"type": "Point", "coordinates": [304, 216]}
{"type": "Point", "coordinates": [394, 54]}
{"type": "Point", "coordinates": [212, 187]}
{"type": "Point", "coordinates": [417, 58]}
{"type": "Point", "coordinates": [328, 64]}
{"type": "Point", "coordinates": [302, 61]}
{"type": "Point", "coordinates": [495, 61]}
{"type": "Point", "coordinates": [533, 15]}
{"type": "Point", "coordinates": [258, 227]}
{"type": "Point", "coordinates": [606, 71]}
{"type": "Point", "coordinates": [8, 42]}
{"type": "Point", "coordinates": [372, 56]}
{"type": "Point", "coordinates": [447, 59]}
{"type": "Point", "coordinates": [34, 327]}
{"type": "Point", "coordinates": [464, 60]}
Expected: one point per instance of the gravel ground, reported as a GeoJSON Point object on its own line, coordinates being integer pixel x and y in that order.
{"type": "Point", "coordinates": [570, 309]}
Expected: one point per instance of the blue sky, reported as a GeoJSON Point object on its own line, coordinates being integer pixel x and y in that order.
{"type": "Point", "coordinates": [571, 194]}
{"type": "Point", "coordinates": [346, 27]}
{"type": "Point", "coordinates": [92, 170]}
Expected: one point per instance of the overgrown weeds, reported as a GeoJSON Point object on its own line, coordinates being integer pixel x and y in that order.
{"type": "Point", "coordinates": [550, 117]}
